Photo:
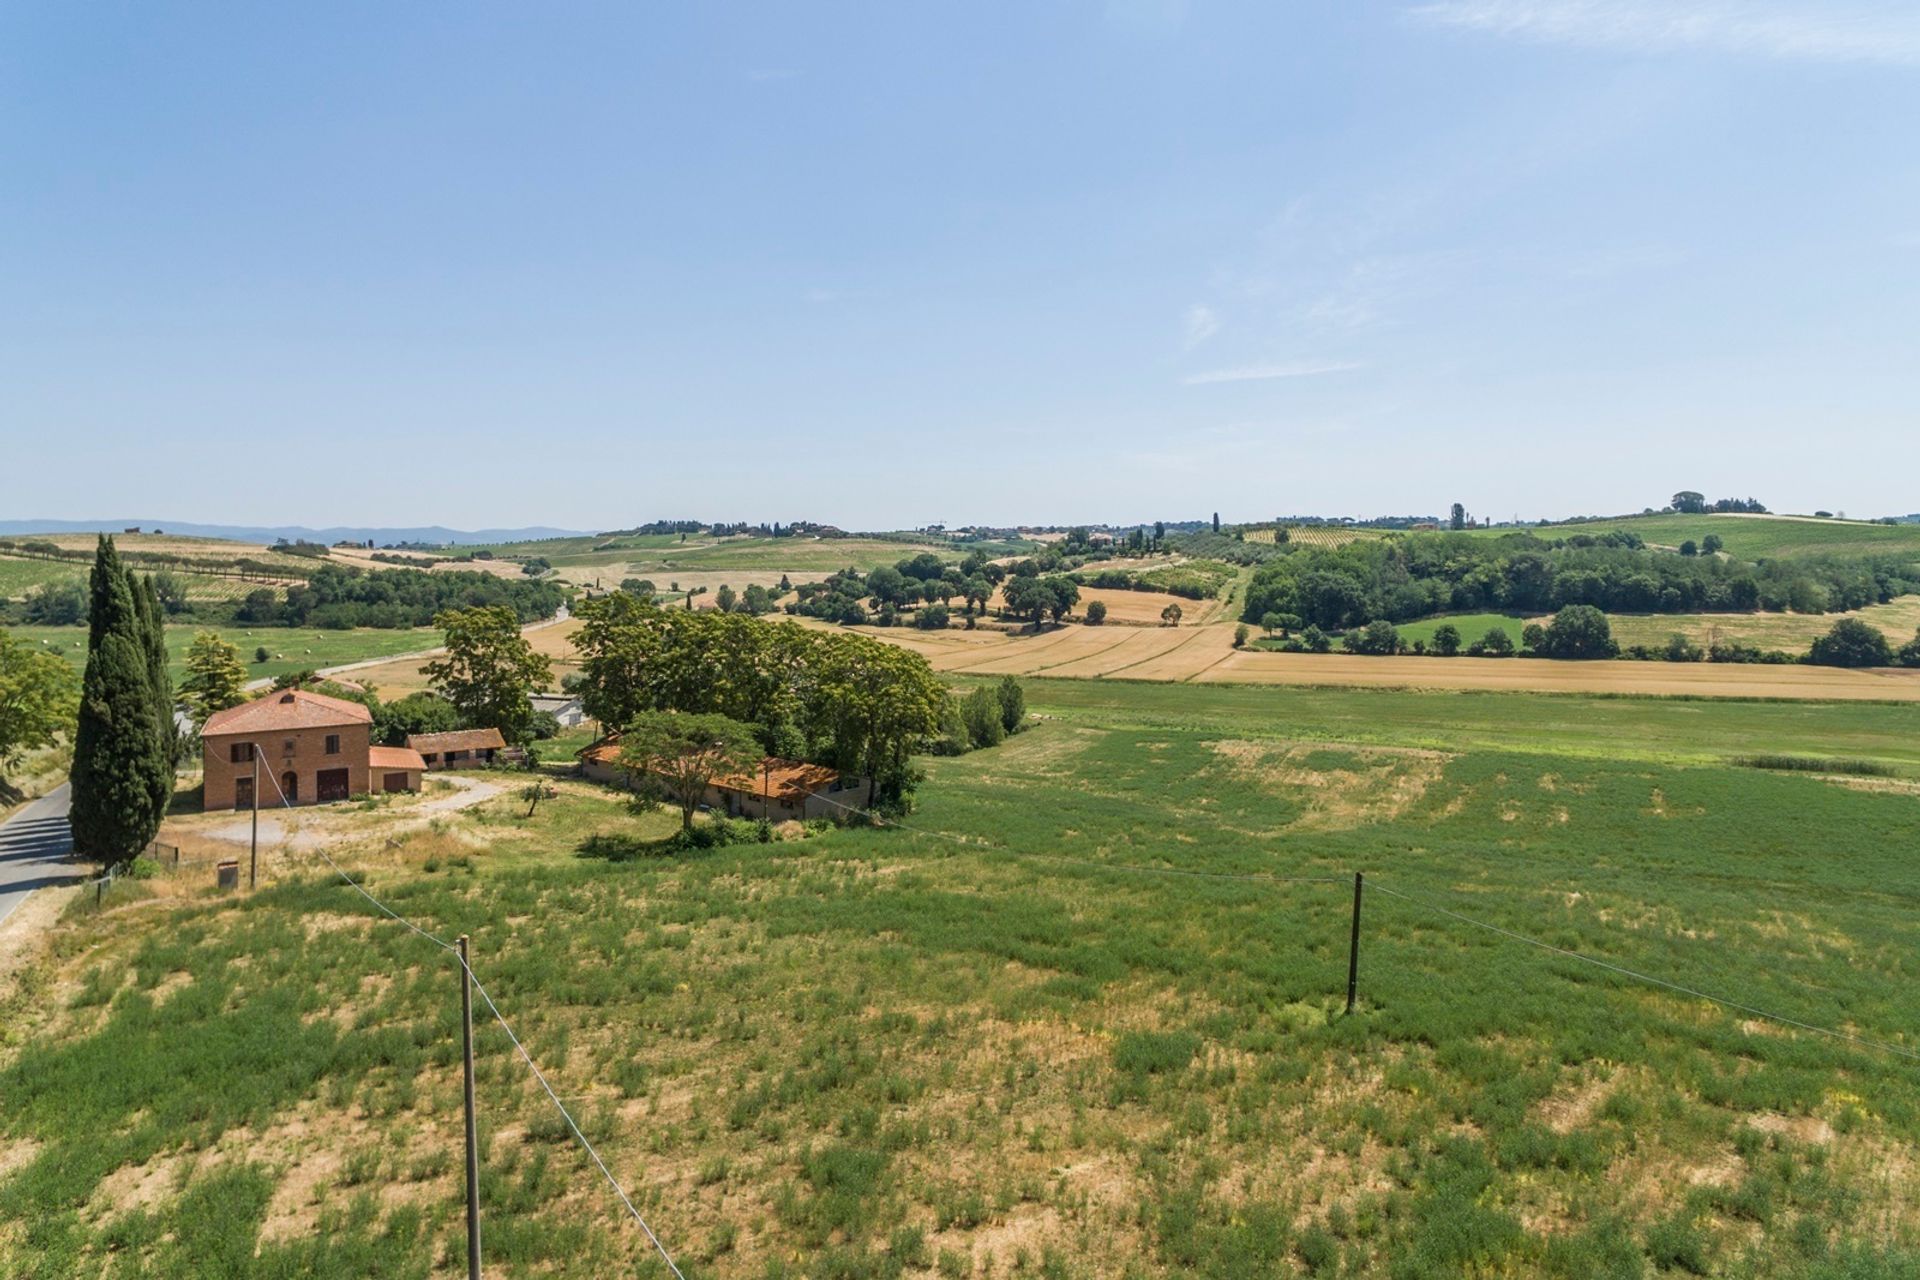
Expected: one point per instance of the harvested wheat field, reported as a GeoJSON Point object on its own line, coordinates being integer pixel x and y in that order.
{"type": "Point", "coordinates": [1788, 632]}
{"type": "Point", "coordinates": [1206, 655]}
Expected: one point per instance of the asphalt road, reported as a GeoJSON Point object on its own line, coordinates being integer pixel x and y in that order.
{"type": "Point", "coordinates": [34, 845]}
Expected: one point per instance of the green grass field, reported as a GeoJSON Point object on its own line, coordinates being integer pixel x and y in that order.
{"type": "Point", "coordinates": [1751, 537]}
{"type": "Point", "coordinates": [978, 1048]}
{"type": "Point", "coordinates": [1471, 626]}
{"type": "Point", "coordinates": [292, 648]}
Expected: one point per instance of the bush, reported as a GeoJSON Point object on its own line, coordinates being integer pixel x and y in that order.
{"type": "Point", "coordinates": [1378, 638]}
{"type": "Point", "coordinates": [931, 617]}
{"type": "Point", "coordinates": [1446, 640]}
{"type": "Point", "coordinates": [1682, 649]}
{"type": "Point", "coordinates": [980, 712]}
{"type": "Point", "coordinates": [1013, 704]}
{"type": "Point", "coordinates": [1314, 640]}
{"type": "Point", "coordinates": [1852, 643]}
{"type": "Point", "coordinates": [1240, 636]}
{"type": "Point", "coordinates": [1495, 644]}
{"type": "Point", "coordinates": [1578, 632]}
{"type": "Point", "coordinates": [1096, 613]}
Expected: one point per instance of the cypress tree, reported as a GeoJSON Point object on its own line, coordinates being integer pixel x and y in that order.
{"type": "Point", "coordinates": [153, 636]}
{"type": "Point", "coordinates": [117, 747]}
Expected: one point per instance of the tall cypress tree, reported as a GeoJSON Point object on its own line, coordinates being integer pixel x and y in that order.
{"type": "Point", "coordinates": [153, 636]}
{"type": "Point", "coordinates": [117, 748]}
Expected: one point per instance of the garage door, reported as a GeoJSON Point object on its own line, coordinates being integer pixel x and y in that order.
{"type": "Point", "coordinates": [331, 784]}
{"type": "Point", "coordinates": [394, 782]}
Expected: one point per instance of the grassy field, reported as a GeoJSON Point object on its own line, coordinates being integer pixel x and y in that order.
{"type": "Point", "coordinates": [1470, 625]}
{"type": "Point", "coordinates": [1751, 537]}
{"type": "Point", "coordinates": [976, 1049]}
{"type": "Point", "coordinates": [292, 648]}
{"type": "Point", "coordinates": [1787, 632]}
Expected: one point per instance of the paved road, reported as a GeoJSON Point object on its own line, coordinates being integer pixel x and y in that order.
{"type": "Point", "coordinates": [34, 845]}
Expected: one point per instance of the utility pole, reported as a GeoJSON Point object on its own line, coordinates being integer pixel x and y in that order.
{"type": "Point", "coordinates": [1353, 949]}
{"type": "Point", "coordinates": [253, 857]}
{"type": "Point", "coordinates": [473, 1134]}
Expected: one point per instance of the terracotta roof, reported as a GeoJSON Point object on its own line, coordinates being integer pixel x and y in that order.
{"type": "Point", "coordinates": [776, 779]}
{"type": "Point", "coordinates": [394, 758]}
{"type": "Point", "coordinates": [457, 740]}
{"type": "Point", "coordinates": [285, 709]}
{"type": "Point", "coordinates": [782, 780]}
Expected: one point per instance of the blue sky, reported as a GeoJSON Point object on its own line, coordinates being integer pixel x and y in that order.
{"type": "Point", "coordinates": [889, 264]}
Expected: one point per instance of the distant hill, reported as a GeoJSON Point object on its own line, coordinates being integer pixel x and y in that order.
{"type": "Point", "coordinates": [1750, 537]}
{"type": "Point", "coordinates": [292, 533]}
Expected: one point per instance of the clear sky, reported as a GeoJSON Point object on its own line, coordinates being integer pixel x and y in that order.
{"type": "Point", "coordinates": [885, 264]}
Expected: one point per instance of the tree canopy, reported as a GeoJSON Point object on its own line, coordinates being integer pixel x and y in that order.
{"type": "Point", "coordinates": [676, 757]}
{"type": "Point", "coordinates": [490, 669]}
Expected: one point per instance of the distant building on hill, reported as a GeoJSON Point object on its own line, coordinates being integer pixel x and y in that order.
{"type": "Point", "coordinates": [563, 707]}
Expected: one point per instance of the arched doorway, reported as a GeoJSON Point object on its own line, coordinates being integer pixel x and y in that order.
{"type": "Point", "coordinates": [290, 786]}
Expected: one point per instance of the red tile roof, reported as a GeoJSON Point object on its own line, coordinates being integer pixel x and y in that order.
{"type": "Point", "coordinates": [775, 779]}
{"type": "Point", "coordinates": [394, 758]}
{"type": "Point", "coordinates": [456, 740]}
{"type": "Point", "coordinates": [285, 709]}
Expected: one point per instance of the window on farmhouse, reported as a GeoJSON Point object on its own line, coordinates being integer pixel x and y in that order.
{"type": "Point", "coordinates": [333, 744]}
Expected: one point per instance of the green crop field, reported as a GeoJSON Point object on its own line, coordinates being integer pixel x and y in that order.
{"type": "Point", "coordinates": [291, 648]}
{"type": "Point", "coordinates": [1749, 537]}
{"type": "Point", "coordinates": [1470, 625]}
{"type": "Point", "coordinates": [978, 1047]}
{"type": "Point", "coordinates": [18, 577]}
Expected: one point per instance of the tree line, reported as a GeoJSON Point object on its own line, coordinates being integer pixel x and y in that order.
{"type": "Point", "coordinates": [342, 596]}
{"type": "Point", "coordinates": [1402, 579]}
{"type": "Point", "coordinates": [854, 704]}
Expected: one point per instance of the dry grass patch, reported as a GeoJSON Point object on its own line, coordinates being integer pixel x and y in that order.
{"type": "Point", "coordinates": [1341, 787]}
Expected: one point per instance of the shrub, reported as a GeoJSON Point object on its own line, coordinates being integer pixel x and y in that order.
{"type": "Point", "coordinates": [1096, 613]}
{"type": "Point", "coordinates": [1579, 632]}
{"type": "Point", "coordinates": [1378, 638]}
{"type": "Point", "coordinates": [1681, 649]}
{"type": "Point", "coordinates": [931, 617]}
{"type": "Point", "coordinates": [1013, 704]}
{"type": "Point", "coordinates": [1240, 636]}
{"type": "Point", "coordinates": [1495, 644]}
{"type": "Point", "coordinates": [980, 712]}
{"type": "Point", "coordinates": [1446, 640]}
{"type": "Point", "coordinates": [1815, 764]}
{"type": "Point", "coordinates": [1315, 640]}
{"type": "Point", "coordinates": [1852, 643]}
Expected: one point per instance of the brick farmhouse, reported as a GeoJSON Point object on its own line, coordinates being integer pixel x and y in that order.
{"type": "Point", "coordinates": [312, 749]}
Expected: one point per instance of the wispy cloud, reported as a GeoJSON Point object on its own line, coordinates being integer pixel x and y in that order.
{"type": "Point", "coordinates": [1201, 323]}
{"type": "Point", "coordinates": [1808, 29]}
{"type": "Point", "coordinates": [1272, 369]}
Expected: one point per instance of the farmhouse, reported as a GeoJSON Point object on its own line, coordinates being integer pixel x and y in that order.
{"type": "Point", "coordinates": [777, 790]}
{"type": "Point", "coordinates": [311, 749]}
{"type": "Point", "coordinates": [565, 708]}
{"type": "Point", "coordinates": [462, 748]}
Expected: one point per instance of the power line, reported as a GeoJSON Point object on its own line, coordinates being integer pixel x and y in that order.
{"type": "Point", "coordinates": [526, 1057]}
{"type": "Point", "coordinates": [1863, 1041]}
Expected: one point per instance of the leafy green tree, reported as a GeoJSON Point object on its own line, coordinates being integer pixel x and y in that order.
{"type": "Point", "coordinates": [1314, 640]}
{"type": "Point", "coordinates": [1013, 704]}
{"type": "Point", "coordinates": [423, 712]}
{"type": "Point", "coordinates": [1909, 655]}
{"type": "Point", "coordinates": [1688, 502]}
{"type": "Point", "coordinates": [1852, 643]}
{"type": "Point", "coordinates": [1027, 596]}
{"type": "Point", "coordinates": [56, 604]}
{"type": "Point", "coordinates": [215, 678]}
{"type": "Point", "coordinates": [980, 710]}
{"type": "Point", "coordinates": [1689, 548]}
{"type": "Point", "coordinates": [1457, 519]}
{"type": "Point", "coordinates": [39, 696]}
{"type": "Point", "coordinates": [1096, 613]}
{"type": "Point", "coordinates": [676, 757]}
{"type": "Point", "coordinates": [118, 756]}
{"type": "Point", "coordinates": [1579, 632]}
{"type": "Point", "coordinates": [1495, 644]}
{"type": "Point", "coordinates": [724, 599]}
{"type": "Point", "coordinates": [1377, 638]}
{"type": "Point", "coordinates": [1062, 594]}
{"type": "Point", "coordinates": [1240, 634]}
{"type": "Point", "coordinates": [489, 669]}
{"type": "Point", "coordinates": [642, 587]}
{"type": "Point", "coordinates": [1172, 614]}
{"type": "Point", "coordinates": [1446, 640]}
{"type": "Point", "coordinates": [260, 653]}
{"type": "Point", "coordinates": [1681, 648]}
{"type": "Point", "coordinates": [1533, 637]}
{"type": "Point", "coordinates": [1711, 544]}
{"type": "Point", "coordinates": [931, 617]}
